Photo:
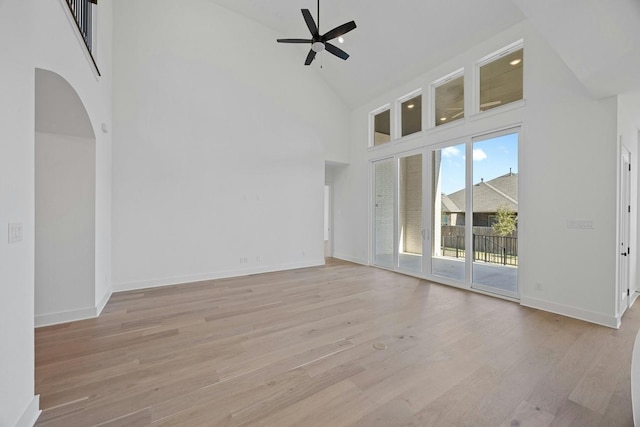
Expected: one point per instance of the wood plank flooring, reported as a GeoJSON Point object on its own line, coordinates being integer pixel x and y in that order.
{"type": "Point", "coordinates": [297, 348]}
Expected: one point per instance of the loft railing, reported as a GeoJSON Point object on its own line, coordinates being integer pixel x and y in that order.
{"type": "Point", "coordinates": [82, 11]}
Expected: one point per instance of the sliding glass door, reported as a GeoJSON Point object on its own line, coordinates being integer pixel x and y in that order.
{"type": "Point", "coordinates": [410, 217]}
{"type": "Point", "coordinates": [398, 213]}
{"type": "Point", "coordinates": [383, 207]}
{"type": "Point", "coordinates": [495, 213]}
{"type": "Point", "coordinates": [468, 194]}
{"type": "Point", "coordinates": [449, 194]}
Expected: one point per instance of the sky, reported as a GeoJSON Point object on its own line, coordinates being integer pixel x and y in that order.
{"type": "Point", "coordinates": [491, 158]}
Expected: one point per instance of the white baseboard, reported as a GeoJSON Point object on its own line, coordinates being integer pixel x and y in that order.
{"type": "Point", "coordinates": [64, 317]}
{"type": "Point", "coordinates": [31, 414]}
{"type": "Point", "coordinates": [73, 315]}
{"type": "Point", "coordinates": [351, 259]}
{"type": "Point", "coordinates": [177, 280]}
{"type": "Point", "coordinates": [569, 311]}
{"type": "Point", "coordinates": [103, 301]}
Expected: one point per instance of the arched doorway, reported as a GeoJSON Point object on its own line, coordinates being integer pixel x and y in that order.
{"type": "Point", "coordinates": [65, 194]}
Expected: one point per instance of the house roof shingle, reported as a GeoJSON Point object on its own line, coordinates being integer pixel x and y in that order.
{"type": "Point", "coordinates": [487, 196]}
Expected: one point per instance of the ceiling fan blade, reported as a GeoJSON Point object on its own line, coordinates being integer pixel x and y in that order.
{"type": "Point", "coordinates": [311, 24]}
{"type": "Point", "coordinates": [310, 57]}
{"type": "Point", "coordinates": [339, 31]}
{"type": "Point", "coordinates": [456, 115]}
{"type": "Point", "coordinates": [336, 51]}
{"type": "Point", "coordinates": [294, 41]}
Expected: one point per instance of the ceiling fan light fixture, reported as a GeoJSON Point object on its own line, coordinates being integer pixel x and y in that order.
{"type": "Point", "coordinates": [410, 106]}
{"type": "Point", "coordinates": [340, 39]}
{"type": "Point", "coordinates": [320, 42]}
{"type": "Point", "coordinates": [443, 119]}
{"type": "Point", "coordinates": [516, 61]}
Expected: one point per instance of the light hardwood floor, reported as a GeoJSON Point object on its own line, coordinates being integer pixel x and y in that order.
{"type": "Point", "coordinates": [297, 348]}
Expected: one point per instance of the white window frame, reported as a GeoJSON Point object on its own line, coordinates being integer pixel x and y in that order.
{"type": "Point", "coordinates": [431, 120]}
{"type": "Point", "coordinates": [517, 45]}
{"type": "Point", "coordinates": [372, 122]}
{"type": "Point", "coordinates": [398, 116]}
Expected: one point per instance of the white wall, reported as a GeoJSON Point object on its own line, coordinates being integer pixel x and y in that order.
{"type": "Point", "coordinates": [220, 139]}
{"type": "Point", "coordinates": [38, 35]}
{"type": "Point", "coordinates": [629, 135]}
{"type": "Point", "coordinates": [65, 170]}
{"type": "Point", "coordinates": [59, 49]}
{"type": "Point", "coordinates": [327, 201]}
{"type": "Point", "coordinates": [567, 171]}
{"type": "Point", "coordinates": [102, 117]}
{"type": "Point", "coordinates": [16, 199]}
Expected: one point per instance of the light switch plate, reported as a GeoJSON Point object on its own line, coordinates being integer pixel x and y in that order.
{"type": "Point", "coordinates": [15, 232]}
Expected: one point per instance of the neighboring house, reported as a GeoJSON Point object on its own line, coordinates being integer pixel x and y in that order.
{"type": "Point", "coordinates": [487, 198]}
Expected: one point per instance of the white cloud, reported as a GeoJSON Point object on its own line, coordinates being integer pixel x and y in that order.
{"type": "Point", "coordinates": [478, 154]}
{"type": "Point", "coordinates": [451, 152]}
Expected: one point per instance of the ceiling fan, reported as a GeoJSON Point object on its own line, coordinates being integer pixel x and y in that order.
{"type": "Point", "coordinates": [321, 42]}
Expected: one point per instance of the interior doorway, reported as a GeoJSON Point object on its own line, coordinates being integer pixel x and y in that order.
{"type": "Point", "coordinates": [65, 199]}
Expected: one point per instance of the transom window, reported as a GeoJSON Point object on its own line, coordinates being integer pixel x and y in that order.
{"type": "Point", "coordinates": [411, 115]}
{"type": "Point", "coordinates": [501, 78]}
{"type": "Point", "coordinates": [381, 123]}
{"type": "Point", "coordinates": [449, 99]}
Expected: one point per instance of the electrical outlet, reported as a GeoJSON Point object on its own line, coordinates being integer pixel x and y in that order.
{"type": "Point", "coordinates": [15, 232]}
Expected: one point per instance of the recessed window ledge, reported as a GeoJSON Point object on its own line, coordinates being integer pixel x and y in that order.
{"type": "Point", "coordinates": [380, 146]}
{"type": "Point", "coordinates": [498, 110]}
{"type": "Point", "coordinates": [410, 137]}
{"type": "Point", "coordinates": [397, 141]}
{"type": "Point", "coordinates": [447, 126]}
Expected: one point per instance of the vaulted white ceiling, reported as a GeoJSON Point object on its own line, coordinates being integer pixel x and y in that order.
{"type": "Point", "coordinates": [598, 39]}
{"type": "Point", "coordinates": [397, 41]}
